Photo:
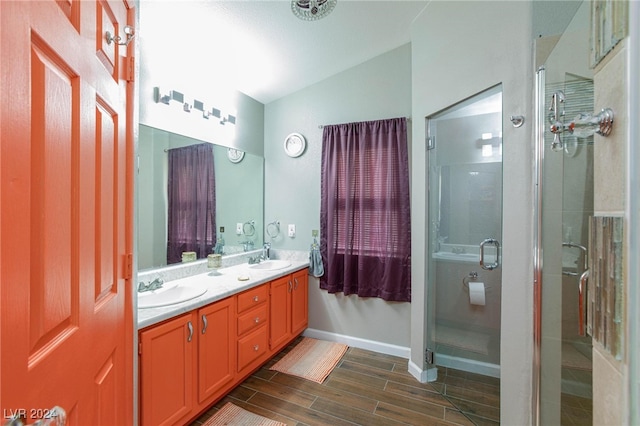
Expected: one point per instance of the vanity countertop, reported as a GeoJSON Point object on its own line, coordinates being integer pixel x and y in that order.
{"type": "Point", "coordinates": [220, 284]}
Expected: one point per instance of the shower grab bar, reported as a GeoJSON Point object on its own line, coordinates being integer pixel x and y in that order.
{"type": "Point", "coordinates": [582, 302]}
{"type": "Point", "coordinates": [495, 264]}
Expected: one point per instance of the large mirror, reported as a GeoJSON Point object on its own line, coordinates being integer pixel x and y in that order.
{"type": "Point", "coordinates": [239, 196]}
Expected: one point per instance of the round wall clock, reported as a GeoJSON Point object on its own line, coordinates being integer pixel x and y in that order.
{"type": "Point", "coordinates": [294, 145]}
{"type": "Point", "coordinates": [234, 155]}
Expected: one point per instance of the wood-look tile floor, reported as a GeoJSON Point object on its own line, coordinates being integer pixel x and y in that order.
{"type": "Point", "coordinates": [367, 388]}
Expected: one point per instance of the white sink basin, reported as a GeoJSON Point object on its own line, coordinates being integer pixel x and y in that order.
{"type": "Point", "coordinates": [170, 296]}
{"type": "Point", "coordinates": [271, 265]}
{"type": "Point", "coordinates": [457, 257]}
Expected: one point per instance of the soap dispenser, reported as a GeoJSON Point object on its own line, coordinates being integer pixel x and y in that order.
{"type": "Point", "coordinates": [219, 248]}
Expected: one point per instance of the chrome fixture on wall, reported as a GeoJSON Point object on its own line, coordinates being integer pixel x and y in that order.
{"type": "Point", "coordinates": [129, 33]}
{"type": "Point", "coordinates": [273, 229]}
{"type": "Point", "coordinates": [179, 97]}
{"type": "Point", "coordinates": [582, 126]}
{"type": "Point", "coordinates": [517, 120]}
{"type": "Point", "coordinates": [312, 10]}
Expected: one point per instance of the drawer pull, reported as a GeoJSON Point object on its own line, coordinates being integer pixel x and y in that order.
{"type": "Point", "coordinates": [290, 286]}
{"type": "Point", "coordinates": [205, 323]}
{"type": "Point", "coordinates": [295, 287]}
{"type": "Point", "coordinates": [256, 348]}
{"type": "Point", "coordinates": [256, 298]}
{"type": "Point", "coordinates": [257, 320]}
{"type": "Point", "coordinates": [190, 326]}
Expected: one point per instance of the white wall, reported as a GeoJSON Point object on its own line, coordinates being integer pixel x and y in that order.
{"type": "Point", "coordinates": [459, 49]}
{"type": "Point", "coordinates": [377, 89]}
{"type": "Point", "coordinates": [159, 68]}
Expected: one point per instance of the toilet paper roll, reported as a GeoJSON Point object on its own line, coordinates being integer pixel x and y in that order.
{"type": "Point", "coordinates": [476, 293]}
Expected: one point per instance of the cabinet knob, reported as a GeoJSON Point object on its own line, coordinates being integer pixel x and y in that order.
{"type": "Point", "coordinates": [256, 348]}
{"type": "Point", "coordinates": [255, 298]}
{"type": "Point", "coordinates": [257, 320]}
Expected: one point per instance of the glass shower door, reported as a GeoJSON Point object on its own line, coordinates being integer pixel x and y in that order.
{"type": "Point", "coordinates": [565, 90]}
{"type": "Point", "coordinates": [465, 233]}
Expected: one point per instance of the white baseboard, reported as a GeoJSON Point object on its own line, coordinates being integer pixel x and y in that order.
{"type": "Point", "coordinates": [471, 366]}
{"type": "Point", "coordinates": [423, 376]}
{"type": "Point", "coordinates": [357, 342]}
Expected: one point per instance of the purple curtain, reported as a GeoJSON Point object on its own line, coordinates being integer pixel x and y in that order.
{"type": "Point", "coordinates": [365, 210]}
{"type": "Point", "coordinates": [192, 202]}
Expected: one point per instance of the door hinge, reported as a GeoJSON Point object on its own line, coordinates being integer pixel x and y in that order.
{"type": "Point", "coordinates": [428, 356]}
{"type": "Point", "coordinates": [431, 142]}
{"type": "Point", "coordinates": [128, 266]}
{"type": "Point", "coordinates": [131, 68]}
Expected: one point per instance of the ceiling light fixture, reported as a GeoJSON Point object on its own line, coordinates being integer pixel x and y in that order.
{"type": "Point", "coordinates": [312, 10]}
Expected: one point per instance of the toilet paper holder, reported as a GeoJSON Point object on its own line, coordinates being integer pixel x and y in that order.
{"type": "Point", "coordinates": [473, 276]}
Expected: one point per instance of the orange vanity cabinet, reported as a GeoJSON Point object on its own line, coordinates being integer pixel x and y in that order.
{"type": "Point", "coordinates": [216, 349]}
{"type": "Point", "coordinates": [252, 328]}
{"type": "Point", "coordinates": [189, 362]}
{"type": "Point", "coordinates": [167, 354]}
{"type": "Point", "coordinates": [289, 301]}
{"type": "Point", "coordinates": [186, 363]}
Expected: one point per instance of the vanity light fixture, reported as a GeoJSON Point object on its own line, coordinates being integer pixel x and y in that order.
{"type": "Point", "coordinates": [179, 97]}
{"type": "Point", "coordinates": [312, 10]}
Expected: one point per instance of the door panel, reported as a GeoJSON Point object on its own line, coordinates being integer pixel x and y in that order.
{"type": "Point", "coordinates": [565, 386]}
{"type": "Point", "coordinates": [299, 302]}
{"type": "Point", "coordinates": [216, 348]}
{"type": "Point", "coordinates": [65, 197]}
{"type": "Point", "coordinates": [465, 233]}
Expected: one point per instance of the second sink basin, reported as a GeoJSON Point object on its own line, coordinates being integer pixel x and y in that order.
{"type": "Point", "coordinates": [271, 265]}
{"type": "Point", "coordinates": [170, 296]}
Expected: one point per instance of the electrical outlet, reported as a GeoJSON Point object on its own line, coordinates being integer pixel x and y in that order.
{"type": "Point", "coordinates": [238, 228]}
{"type": "Point", "coordinates": [292, 230]}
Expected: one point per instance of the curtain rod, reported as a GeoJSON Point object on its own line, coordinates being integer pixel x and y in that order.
{"type": "Point", "coordinates": [321, 126]}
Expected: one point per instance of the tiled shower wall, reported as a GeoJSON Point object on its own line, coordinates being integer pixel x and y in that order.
{"type": "Point", "coordinates": [606, 285]}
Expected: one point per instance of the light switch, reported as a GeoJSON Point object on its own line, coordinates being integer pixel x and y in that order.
{"type": "Point", "coordinates": [292, 230]}
{"type": "Point", "coordinates": [238, 228]}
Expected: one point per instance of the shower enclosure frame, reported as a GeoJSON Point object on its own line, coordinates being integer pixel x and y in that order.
{"type": "Point", "coordinates": [539, 125]}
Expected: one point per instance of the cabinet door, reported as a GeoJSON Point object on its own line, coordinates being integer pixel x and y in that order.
{"type": "Point", "coordinates": [279, 316]}
{"type": "Point", "coordinates": [299, 302]}
{"type": "Point", "coordinates": [216, 348]}
{"type": "Point", "coordinates": [166, 371]}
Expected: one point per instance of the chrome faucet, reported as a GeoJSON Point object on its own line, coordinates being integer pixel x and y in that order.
{"type": "Point", "coordinates": [247, 245]}
{"type": "Point", "coordinates": [153, 285]}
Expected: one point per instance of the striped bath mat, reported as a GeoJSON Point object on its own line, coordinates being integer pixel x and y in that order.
{"type": "Point", "coordinates": [233, 415]}
{"type": "Point", "coordinates": [311, 359]}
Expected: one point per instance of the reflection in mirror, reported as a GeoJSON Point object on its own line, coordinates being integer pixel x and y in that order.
{"type": "Point", "coordinates": [467, 171]}
{"type": "Point", "coordinates": [238, 192]}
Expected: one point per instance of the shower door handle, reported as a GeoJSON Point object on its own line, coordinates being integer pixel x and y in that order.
{"type": "Point", "coordinates": [495, 264]}
{"type": "Point", "coordinates": [582, 303]}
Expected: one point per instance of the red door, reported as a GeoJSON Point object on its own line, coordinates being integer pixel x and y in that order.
{"type": "Point", "coordinates": [66, 320]}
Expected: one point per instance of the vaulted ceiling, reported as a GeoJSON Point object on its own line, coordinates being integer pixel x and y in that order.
{"type": "Point", "coordinates": [260, 48]}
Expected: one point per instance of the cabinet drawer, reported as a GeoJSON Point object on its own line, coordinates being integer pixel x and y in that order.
{"type": "Point", "coordinates": [252, 319]}
{"type": "Point", "coordinates": [252, 347]}
{"type": "Point", "coordinates": [251, 298]}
